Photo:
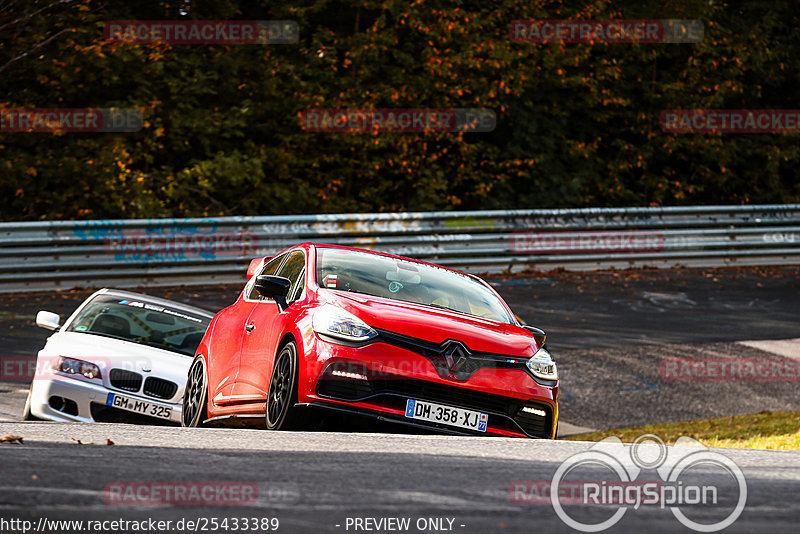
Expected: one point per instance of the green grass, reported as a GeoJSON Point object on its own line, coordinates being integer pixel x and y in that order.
{"type": "Point", "coordinates": [765, 430]}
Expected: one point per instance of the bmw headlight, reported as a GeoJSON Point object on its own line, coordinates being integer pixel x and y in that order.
{"type": "Point", "coordinates": [334, 321]}
{"type": "Point", "coordinates": [71, 366]}
{"type": "Point", "coordinates": [542, 365]}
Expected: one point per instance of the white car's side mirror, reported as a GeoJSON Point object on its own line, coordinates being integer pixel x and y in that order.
{"type": "Point", "coordinates": [48, 320]}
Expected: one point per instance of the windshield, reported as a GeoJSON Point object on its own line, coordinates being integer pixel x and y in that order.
{"type": "Point", "coordinates": [142, 322]}
{"type": "Point", "coordinates": [408, 281]}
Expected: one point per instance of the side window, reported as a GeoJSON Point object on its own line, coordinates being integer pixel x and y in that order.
{"type": "Point", "coordinates": [269, 268]}
{"type": "Point", "coordinates": [292, 269]}
{"type": "Point", "coordinates": [297, 289]}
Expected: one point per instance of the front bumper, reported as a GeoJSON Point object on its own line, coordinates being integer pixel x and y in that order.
{"type": "Point", "coordinates": [379, 378]}
{"type": "Point", "coordinates": [64, 399]}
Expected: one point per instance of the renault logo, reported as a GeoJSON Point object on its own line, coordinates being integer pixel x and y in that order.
{"type": "Point", "coordinates": [456, 354]}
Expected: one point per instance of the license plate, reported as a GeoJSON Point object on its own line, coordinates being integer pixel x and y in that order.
{"type": "Point", "coordinates": [446, 415]}
{"type": "Point", "coordinates": [139, 406]}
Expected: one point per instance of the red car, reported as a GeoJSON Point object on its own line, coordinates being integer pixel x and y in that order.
{"type": "Point", "coordinates": [368, 333]}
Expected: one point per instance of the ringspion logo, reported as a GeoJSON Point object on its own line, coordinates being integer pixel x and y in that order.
{"type": "Point", "coordinates": [698, 501]}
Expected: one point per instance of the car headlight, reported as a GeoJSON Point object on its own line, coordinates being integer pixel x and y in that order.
{"type": "Point", "coordinates": [543, 366]}
{"type": "Point", "coordinates": [334, 321]}
{"type": "Point", "coordinates": [71, 366]}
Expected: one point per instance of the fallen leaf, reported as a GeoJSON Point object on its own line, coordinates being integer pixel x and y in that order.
{"type": "Point", "coordinates": [109, 442]}
{"type": "Point", "coordinates": [11, 438]}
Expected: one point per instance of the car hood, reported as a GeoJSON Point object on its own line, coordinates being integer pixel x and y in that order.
{"type": "Point", "coordinates": [115, 353]}
{"type": "Point", "coordinates": [435, 325]}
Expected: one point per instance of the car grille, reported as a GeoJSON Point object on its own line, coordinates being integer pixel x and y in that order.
{"type": "Point", "coordinates": [126, 380]}
{"type": "Point", "coordinates": [437, 354]}
{"type": "Point", "coordinates": [160, 388]}
{"type": "Point", "coordinates": [393, 391]}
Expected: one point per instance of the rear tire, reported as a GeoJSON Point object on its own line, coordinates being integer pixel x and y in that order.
{"type": "Point", "coordinates": [282, 394]}
{"type": "Point", "coordinates": [195, 396]}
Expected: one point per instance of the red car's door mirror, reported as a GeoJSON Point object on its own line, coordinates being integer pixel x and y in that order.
{"type": "Point", "coordinates": [273, 287]}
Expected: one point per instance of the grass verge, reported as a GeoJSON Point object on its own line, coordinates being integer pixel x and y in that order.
{"type": "Point", "coordinates": [765, 430]}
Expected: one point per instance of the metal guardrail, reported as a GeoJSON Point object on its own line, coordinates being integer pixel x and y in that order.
{"type": "Point", "coordinates": [142, 252]}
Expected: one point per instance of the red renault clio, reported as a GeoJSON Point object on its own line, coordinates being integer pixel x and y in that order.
{"type": "Point", "coordinates": [368, 333]}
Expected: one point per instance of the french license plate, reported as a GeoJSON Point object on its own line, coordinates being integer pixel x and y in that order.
{"type": "Point", "coordinates": [139, 406]}
{"type": "Point", "coordinates": [446, 415]}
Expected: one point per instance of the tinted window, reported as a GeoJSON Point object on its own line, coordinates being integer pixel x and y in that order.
{"type": "Point", "coordinates": [292, 269]}
{"type": "Point", "coordinates": [297, 290]}
{"type": "Point", "coordinates": [381, 276]}
{"type": "Point", "coordinates": [142, 322]}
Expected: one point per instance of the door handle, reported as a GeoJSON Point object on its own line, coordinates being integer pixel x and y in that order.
{"type": "Point", "coordinates": [250, 327]}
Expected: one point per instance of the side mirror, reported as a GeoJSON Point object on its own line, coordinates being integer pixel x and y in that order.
{"type": "Point", "coordinates": [538, 333]}
{"type": "Point", "coordinates": [255, 265]}
{"type": "Point", "coordinates": [273, 287]}
{"type": "Point", "coordinates": [48, 320]}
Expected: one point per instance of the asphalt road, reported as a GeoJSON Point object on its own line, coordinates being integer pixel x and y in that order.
{"type": "Point", "coordinates": [312, 482]}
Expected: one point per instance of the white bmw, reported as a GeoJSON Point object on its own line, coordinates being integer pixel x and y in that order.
{"type": "Point", "coordinates": [120, 357]}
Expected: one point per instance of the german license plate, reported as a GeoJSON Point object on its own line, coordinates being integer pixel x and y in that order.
{"type": "Point", "coordinates": [139, 406]}
{"type": "Point", "coordinates": [446, 415]}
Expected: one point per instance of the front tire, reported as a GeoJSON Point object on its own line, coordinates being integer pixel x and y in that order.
{"type": "Point", "coordinates": [282, 394]}
{"type": "Point", "coordinates": [195, 396]}
{"type": "Point", "coordinates": [26, 412]}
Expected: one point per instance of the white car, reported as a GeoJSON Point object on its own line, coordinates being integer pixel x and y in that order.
{"type": "Point", "coordinates": [120, 357]}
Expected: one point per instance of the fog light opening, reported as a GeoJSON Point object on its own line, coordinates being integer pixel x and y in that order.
{"type": "Point", "coordinates": [534, 411]}
{"type": "Point", "coordinates": [348, 374]}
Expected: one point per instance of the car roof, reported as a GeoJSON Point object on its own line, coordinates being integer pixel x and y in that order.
{"type": "Point", "coordinates": [154, 300]}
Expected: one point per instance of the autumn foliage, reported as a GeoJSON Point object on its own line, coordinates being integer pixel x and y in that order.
{"type": "Point", "coordinates": [577, 123]}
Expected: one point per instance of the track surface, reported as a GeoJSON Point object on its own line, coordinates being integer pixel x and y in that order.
{"type": "Point", "coordinates": [609, 332]}
{"type": "Point", "coordinates": [314, 481]}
